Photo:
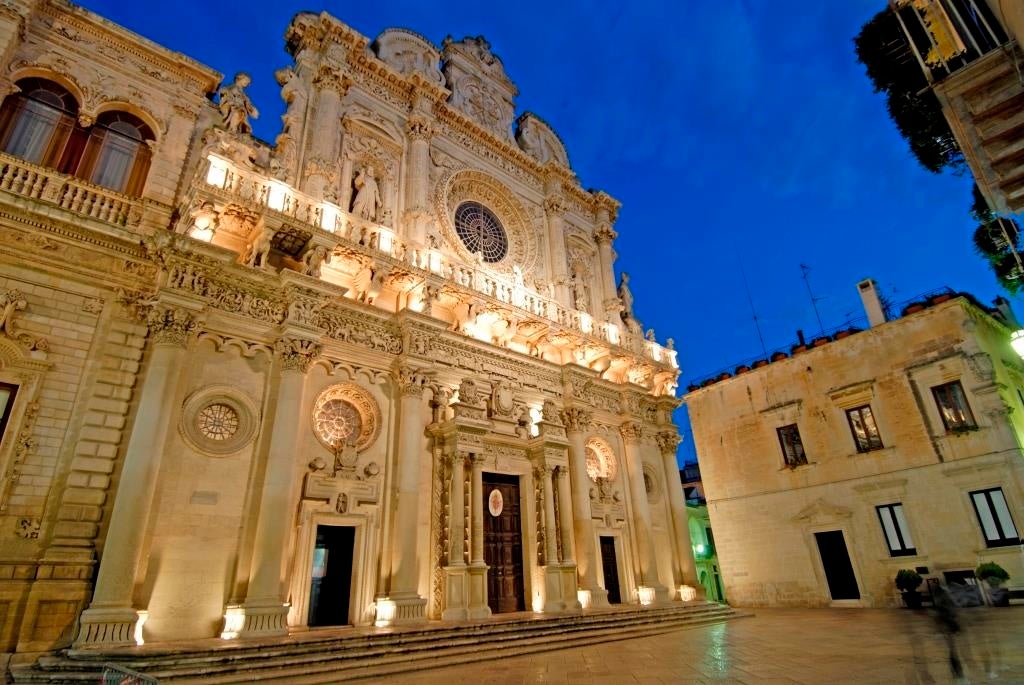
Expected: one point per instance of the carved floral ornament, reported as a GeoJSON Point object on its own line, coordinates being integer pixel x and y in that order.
{"type": "Point", "coordinates": [218, 420]}
{"type": "Point", "coordinates": [601, 460]}
{"type": "Point", "coordinates": [346, 415]}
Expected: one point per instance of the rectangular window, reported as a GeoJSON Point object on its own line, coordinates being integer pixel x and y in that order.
{"type": "Point", "coordinates": [897, 532]}
{"type": "Point", "coordinates": [994, 517]}
{"type": "Point", "coordinates": [952, 403]}
{"type": "Point", "coordinates": [865, 430]}
{"type": "Point", "coordinates": [7, 393]}
{"type": "Point", "coordinates": [792, 448]}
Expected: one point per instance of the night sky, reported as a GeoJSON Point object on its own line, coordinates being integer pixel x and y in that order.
{"type": "Point", "coordinates": [741, 136]}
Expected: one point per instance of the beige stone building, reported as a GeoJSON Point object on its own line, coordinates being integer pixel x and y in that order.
{"type": "Point", "coordinates": [894, 447]}
{"type": "Point", "coordinates": [378, 372]}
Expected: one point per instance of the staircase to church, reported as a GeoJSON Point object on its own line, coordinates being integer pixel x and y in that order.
{"type": "Point", "coordinates": [328, 656]}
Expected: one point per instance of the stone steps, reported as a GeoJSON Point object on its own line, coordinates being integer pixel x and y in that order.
{"type": "Point", "coordinates": [350, 654]}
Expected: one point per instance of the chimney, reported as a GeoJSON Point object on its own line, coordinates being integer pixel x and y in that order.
{"type": "Point", "coordinates": [872, 303]}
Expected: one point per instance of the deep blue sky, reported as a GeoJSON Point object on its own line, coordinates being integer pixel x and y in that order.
{"type": "Point", "coordinates": [736, 133]}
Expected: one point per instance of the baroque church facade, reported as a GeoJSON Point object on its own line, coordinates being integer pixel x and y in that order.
{"type": "Point", "coordinates": [378, 372]}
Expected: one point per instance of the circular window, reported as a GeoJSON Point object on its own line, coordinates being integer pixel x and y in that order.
{"type": "Point", "coordinates": [481, 232]}
{"type": "Point", "coordinates": [346, 414]}
{"type": "Point", "coordinates": [218, 420]}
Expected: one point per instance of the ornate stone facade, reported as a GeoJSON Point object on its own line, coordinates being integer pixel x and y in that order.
{"type": "Point", "coordinates": [254, 344]}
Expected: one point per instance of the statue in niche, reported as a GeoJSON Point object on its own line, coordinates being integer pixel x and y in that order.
{"type": "Point", "coordinates": [314, 259]}
{"type": "Point", "coordinates": [236, 107]}
{"type": "Point", "coordinates": [367, 203]}
{"type": "Point", "coordinates": [580, 293]}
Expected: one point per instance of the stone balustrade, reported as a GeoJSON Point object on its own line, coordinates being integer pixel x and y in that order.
{"type": "Point", "coordinates": [254, 191]}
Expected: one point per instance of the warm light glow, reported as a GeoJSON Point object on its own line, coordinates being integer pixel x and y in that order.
{"type": "Point", "coordinates": [586, 323]}
{"type": "Point", "coordinates": [687, 593]}
{"type": "Point", "coordinates": [535, 416]}
{"type": "Point", "coordinates": [434, 261]}
{"type": "Point", "coordinates": [699, 548]}
{"type": "Point", "coordinates": [655, 351]}
{"type": "Point", "coordinates": [671, 354]}
{"type": "Point", "coordinates": [385, 240]}
{"type": "Point", "coordinates": [1017, 342]}
{"type": "Point", "coordinates": [584, 598]}
{"type": "Point", "coordinates": [143, 616]}
{"type": "Point", "coordinates": [201, 233]}
{"type": "Point", "coordinates": [234, 619]}
{"type": "Point", "coordinates": [329, 217]}
{"type": "Point", "coordinates": [218, 172]}
{"type": "Point", "coordinates": [646, 595]}
{"type": "Point", "coordinates": [386, 611]}
{"type": "Point", "coordinates": [538, 603]}
{"type": "Point", "coordinates": [277, 195]}
{"type": "Point", "coordinates": [613, 333]}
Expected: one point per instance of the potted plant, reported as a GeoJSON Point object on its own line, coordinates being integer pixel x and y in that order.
{"type": "Point", "coordinates": [907, 582]}
{"type": "Point", "coordinates": [994, 576]}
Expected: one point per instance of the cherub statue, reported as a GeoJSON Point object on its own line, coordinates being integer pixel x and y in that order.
{"type": "Point", "coordinates": [314, 259]}
{"type": "Point", "coordinates": [236, 107]}
{"type": "Point", "coordinates": [204, 221]}
{"type": "Point", "coordinates": [257, 255]}
{"type": "Point", "coordinates": [367, 203]}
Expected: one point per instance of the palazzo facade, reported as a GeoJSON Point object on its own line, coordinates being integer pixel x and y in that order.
{"type": "Point", "coordinates": [377, 372]}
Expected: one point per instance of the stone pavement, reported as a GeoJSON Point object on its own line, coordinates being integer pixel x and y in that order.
{"type": "Point", "coordinates": [776, 646]}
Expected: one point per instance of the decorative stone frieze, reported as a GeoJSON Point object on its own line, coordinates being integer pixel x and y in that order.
{"type": "Point", "coordinates": [172, 325]}
{"type": "Point", "coordinates": [297, 354]}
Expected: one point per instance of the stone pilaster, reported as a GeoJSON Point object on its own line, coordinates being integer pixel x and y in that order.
{"type": "Point", "coordinates": [320, 178]}
{"type": "Point", "coordinates": [604, 235]}
{"type": "Point", "coordinates": [631, 435]}
{"type": "Point", "coordinates": [477, 567]}
{"type": "Point", "coordinates": [111, 620]}
{"type": "Point", "coordinates": [558, 266]}
{"type": "Point", "coordinates": [565, 514]}
{"type": "Point", "coordinates": [419, 129]}
{"type": "Point", "coordinates": [685, 566]}
{"type": "Point", "coordinates": [577, 421]}
{"type": "Point", "coordinates": [265, 610]}
{"type": "Point", "coordinates": [457, 581]}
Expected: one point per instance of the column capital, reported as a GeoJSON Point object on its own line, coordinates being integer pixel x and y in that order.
{"type": "Point", "coordinates": [476, 459]}
{"type": "Point", "coordinates": [668, 442]}
{"type": "Point", "coordinates": [604, 235]}
{"type": "Point", "coordinates": [555, 205]}
{"type": "Point", "coordinates": [328, 78]}
{"type": "Point", "coordinates": [631, 431]}
{"type": "Point", "coordinates": [411, 380]}
{"type": "Point", "coordinates": [172, 326]}
{"type": "Point", "coordinates": [561, 472]}
{"type": "Point", "coordinates": [296, 354]}
{"type": "Point", "coordinates": [420, 127]}
{"type": "Point", "coordinates": [577, 419]}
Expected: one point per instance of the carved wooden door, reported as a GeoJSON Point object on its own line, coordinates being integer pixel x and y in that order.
{"type": "Point", "coordinates": [503, 543]}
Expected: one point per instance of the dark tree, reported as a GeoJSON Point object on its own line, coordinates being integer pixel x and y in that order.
{"type": "Point", "coordinates": [883, 49]}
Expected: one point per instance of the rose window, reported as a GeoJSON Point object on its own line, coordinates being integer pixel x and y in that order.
{"type": "Point", "coordinates": [337, 422]}
{"type": "Point", "coordinates": [217, 422]}
{"type": "Point", "coordinates": [481, 232]}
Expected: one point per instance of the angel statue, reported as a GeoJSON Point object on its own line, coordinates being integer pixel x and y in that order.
{"type": "Point", "coordinates": [236, 107]}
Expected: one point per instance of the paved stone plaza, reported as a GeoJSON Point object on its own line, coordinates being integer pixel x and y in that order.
{"type": "Point", "coordinates": [777, 646]}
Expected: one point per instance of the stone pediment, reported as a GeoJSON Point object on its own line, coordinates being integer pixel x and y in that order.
{"type": "Point", "coordinates": [539, 140]}
{"type": "Point", "coordinates": [407, 52]}
{"type": "Point", "coordinates": [480, 89]}
{"type": "Point", "coordinates": [819, 511]}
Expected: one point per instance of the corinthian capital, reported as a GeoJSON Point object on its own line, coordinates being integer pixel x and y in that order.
{"type": "Point", "coordinates": [576, 419]}
{"type": "Point", "coordinates": [668, 442]}
{"type": "Point", "coordinates": [555, 205]}
{"type": "Point", "coordinates": [631, 431]}
{"type": "Point", "coordinates": [419, 127]}
{"type": "Point", "coordinates": [171, 325]}
{"type": "Point", "coordinates": [330, 79]}
{"type": "Point", "coordinates": [604, 234]}
{"type": "Point", "coordinates": [411, 381]}
{"type": "Point", "coordinates": [296, 354]}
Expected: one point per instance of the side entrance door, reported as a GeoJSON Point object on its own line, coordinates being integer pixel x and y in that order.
{"type": "Point", "coordinates": [835, 559]}
{"type": "Point", "coordinates": [610, 565]}
{"type": "Point", "coordinates": [332, 575]}
{"type": "Point", "coordinates": [503, 543]}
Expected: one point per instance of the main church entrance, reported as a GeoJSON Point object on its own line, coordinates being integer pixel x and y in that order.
{"type": "Point", "coordinates": [503, 543]}
{"type": "Point", "coordinates": [332, 576]}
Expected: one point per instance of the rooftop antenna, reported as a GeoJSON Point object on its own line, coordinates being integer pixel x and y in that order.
{"type": "Point", "coordinates": [753, 312]}
{"type": "Point", "coordinates": [804, 270]}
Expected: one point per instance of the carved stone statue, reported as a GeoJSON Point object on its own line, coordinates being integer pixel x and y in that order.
{"type": "Point", "coordinates": [13, 301]}
{"type": "Point", "coordinates": [580, 295]}
{"type": "Point", "coordinates": [367, 203]}
{"type": "Point", "coordinates": [236, 107]}
{"type": "Point", "coordinates": [257, 254]}
{"type": "Point", "coordinates": [650, 335]}
{"type": "Point", "coordinates": [468, 392]}
{"type": "Point", "coordinates": [345, 458]}
{"type": "Point", "coordinates": [626, 298]}
{"type": "Point", "coordinates": [549, 412]}
{"type": "Point", "coordinates": [314, 259]}
{"type": "Point", "coordinates": [204, 221]}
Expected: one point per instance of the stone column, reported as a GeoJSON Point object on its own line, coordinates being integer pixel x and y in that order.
{"type": "Point", "coordinates": [558, 266]}
{"type": "Point", "coordinates": [577, 421]}
{"type": "Point", "coordinates": [457, 589]}
{"type": "Point", "coordinates": [320, 176]}
{"type": "Point", "coordinates": [686, 567]}
{"type": "Point", "coordinates": [631, 434]}
{"type": "Point", "coordinates": [477, 567]}
{"type": "Point", "coordinates": [417, 202]}
{"type": "Point", "coordinates": [565, 514]}
{"type": "Point", "coordinates": [545, 477]}
{"type": "Point", "coordinates": [604, 235]}
{"type": "Point", "coordinates": [111, 619]}
{"type": "Point", "coordinates": [403, 603]}
{"type": "Point", "coordinates": [265, 612]}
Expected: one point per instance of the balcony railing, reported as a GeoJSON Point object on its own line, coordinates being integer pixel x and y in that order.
{"type": "Point", "coordinates": [947, 35]}
{"type": "Point", "coordinates": [75, 195]}
{"type": "Point", "coordinates": [257, 192]}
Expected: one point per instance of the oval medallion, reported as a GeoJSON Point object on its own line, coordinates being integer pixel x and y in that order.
{"type": "Point", "coordinates": [495, 503]}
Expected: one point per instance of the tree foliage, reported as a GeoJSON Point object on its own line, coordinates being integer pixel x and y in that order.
{"type": "Point", "coordinates": [883, 50]}
{"type": "Point", "coordinates": [998, 240]}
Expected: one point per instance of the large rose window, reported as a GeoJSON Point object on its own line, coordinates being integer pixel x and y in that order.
{"type": "Point", "coordinates": [481, 232]}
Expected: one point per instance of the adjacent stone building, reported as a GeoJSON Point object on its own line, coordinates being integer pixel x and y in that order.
{"type": "Point", "coordinates": [894, 447]}
{"type": "Point", "coordinates": [377, 372]}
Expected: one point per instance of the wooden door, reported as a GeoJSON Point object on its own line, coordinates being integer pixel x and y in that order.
{"type": "Point", "coordinates": [503, 543]}
{"type": "Point", "coordinates": [610, 565]}
{"type": "Point", "coordinates": [835, 559]}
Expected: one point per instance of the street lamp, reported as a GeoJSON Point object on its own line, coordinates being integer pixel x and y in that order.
{"type": "Point", "coordinates": [1017, 342]}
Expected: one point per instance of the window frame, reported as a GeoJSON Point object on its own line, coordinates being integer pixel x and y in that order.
{"type": "Point", "coordinates": [5, 416]}
{"type": "Point", "coordinates": [1003, 540]}
{"type": "Point", "coordinates": [902, 536]}
{"type": "Point", "coordinates": [779, 431]}
{"type": "Point", "coordinates": [969, 423]}
{"type": "Point", "coordinates": [874, 442]}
